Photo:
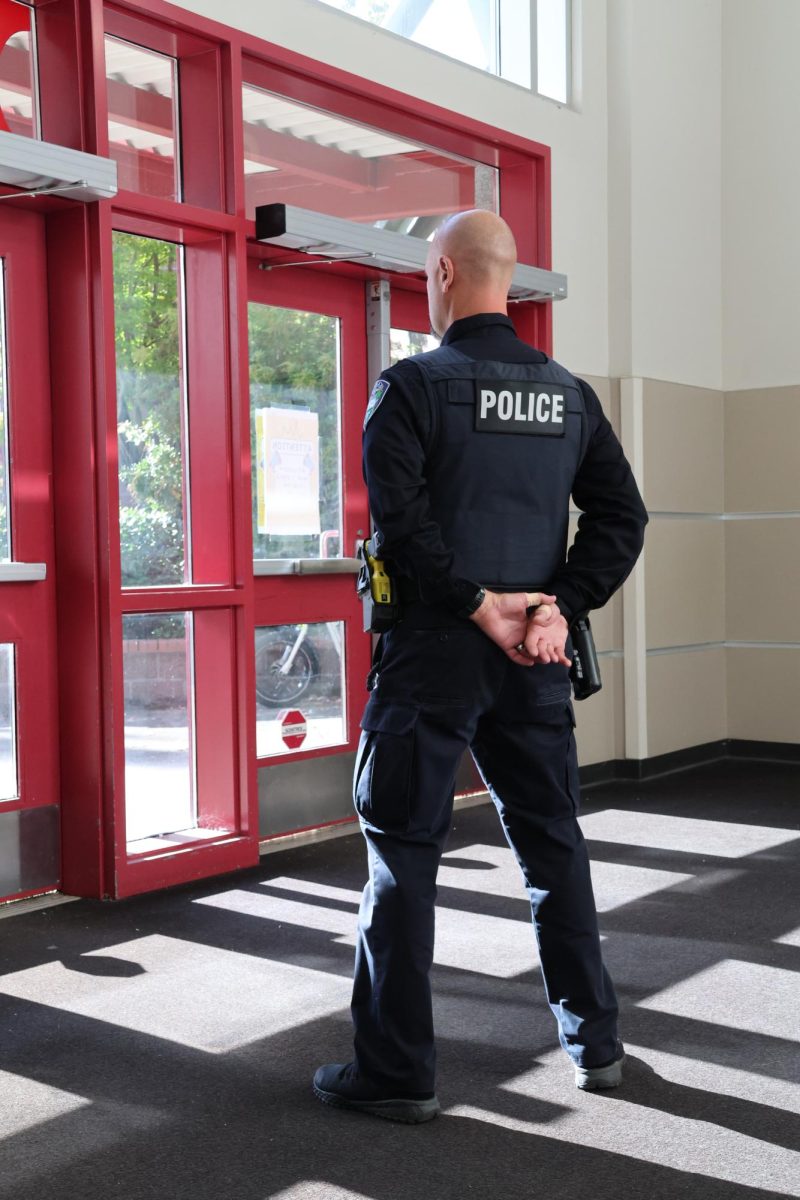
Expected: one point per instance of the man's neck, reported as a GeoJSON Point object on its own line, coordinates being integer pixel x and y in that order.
{"type": "Point", "coordinates": [473, 308]}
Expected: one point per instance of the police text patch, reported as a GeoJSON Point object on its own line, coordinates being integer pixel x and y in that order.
{"type": "Point", "coordinates": [520, 408]}
{"type": "Point", "coordinates": [378, 392]}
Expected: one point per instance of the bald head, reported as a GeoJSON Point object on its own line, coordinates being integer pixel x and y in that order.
{"type": "Point", "coordinates": [480, 244]}
{"type": "Point", "coordinates": [470, 264]}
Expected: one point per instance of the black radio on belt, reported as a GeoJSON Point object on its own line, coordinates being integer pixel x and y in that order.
{"type": "Point", "coordinates": [377, 591]}
{"type": "Point", "coordinates": [585, 670]}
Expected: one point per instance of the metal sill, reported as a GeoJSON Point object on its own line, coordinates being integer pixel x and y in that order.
{"type": "Point", "coordinates": [20, 572]}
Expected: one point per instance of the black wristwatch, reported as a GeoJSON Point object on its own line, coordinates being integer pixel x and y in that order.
{"type": "Point", "coordinates": [474, 604]}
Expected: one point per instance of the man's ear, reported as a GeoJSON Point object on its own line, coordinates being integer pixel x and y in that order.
{"type": "Point", "coordinates": [446, 271]}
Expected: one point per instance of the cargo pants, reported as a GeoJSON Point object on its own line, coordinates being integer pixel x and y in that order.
{"type": "Point", "coordinates": [441, 690]}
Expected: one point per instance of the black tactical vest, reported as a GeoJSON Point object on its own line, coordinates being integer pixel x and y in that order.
{"type": "Point", "coordinates": [506, 445]}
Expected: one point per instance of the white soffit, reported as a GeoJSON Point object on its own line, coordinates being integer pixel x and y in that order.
{"type": "Point", "coordinates": [312, 125]}
{"type": "Point", "coordinates": [139, 68]}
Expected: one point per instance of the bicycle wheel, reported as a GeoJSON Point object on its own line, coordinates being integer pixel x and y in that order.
{"type": "Point", "coordinates": [277, 687]}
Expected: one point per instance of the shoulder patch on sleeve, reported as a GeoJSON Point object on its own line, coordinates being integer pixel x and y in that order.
{"type": "Point", "coordinates": [378, 392]}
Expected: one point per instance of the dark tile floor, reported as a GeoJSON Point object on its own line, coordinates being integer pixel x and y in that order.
{"type": "Point", "coordinates": [163, 1046]}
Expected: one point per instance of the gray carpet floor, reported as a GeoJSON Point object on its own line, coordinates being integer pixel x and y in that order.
{"type": "Point", "coordinates": [164, 1046]}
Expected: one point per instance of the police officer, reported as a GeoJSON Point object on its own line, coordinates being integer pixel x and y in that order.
{"type": "Point", "coordinates": [471, 453]}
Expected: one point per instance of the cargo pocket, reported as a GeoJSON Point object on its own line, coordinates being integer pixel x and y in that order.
{"type": "Point", "coordinates": [385, 770]}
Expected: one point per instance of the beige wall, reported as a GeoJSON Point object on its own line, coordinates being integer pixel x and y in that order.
{"type": "Point", "coordinates": [686, 699]}
{"type": "Point", "coordinates": [665, 175]}
{"type": "Point", "coordinates": [762, 563]}
{"type": "Point", "coordinates": [601, 718]}
{"type": "Point", "coordinates": [764, 694]}
{"type": "Point", "coordinates": [714, 652]}
{"type": "Point", "coordinates": [682, 472]}
{"type": "Point", "coordinates": [760, 186]}
{"type": "Point", "coordinates": [762, 449]}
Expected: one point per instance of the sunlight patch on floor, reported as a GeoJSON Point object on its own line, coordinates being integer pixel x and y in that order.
{"type": "Point", "coordinates": [736, 995]}
{"type": "Point", "coordinates": [726, 839]}
{"type": "Point", "coordinates": [34, 1103]}
{"type": "Point", "coordinates": [486, 945]}
{"type": "Point", "coordinates": [697, 1145]}
{"type": "Point", "coordinates": [316, 1189]}
{"type": "Point", "coordinates": [494, 870]}
{"type": "Point", "coordinates": [198, 996]}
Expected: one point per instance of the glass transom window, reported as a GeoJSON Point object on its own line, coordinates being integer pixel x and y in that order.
{"type": "Point", "coordinates": [300, 156]}
{"type": "Point", "coordinates": [142, 119]}
{"type": "Point", "coordinates": [527, 42]}
{"type": "Point", "coordinates": [19, 108]}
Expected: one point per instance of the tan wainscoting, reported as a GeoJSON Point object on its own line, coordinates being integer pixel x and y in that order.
{"type": "Point", "coordinates": [762, 436]}
{"type": "Point", "coordinates": [608, 395]}
{"type": "Point", "coordinates": [709, 580]}
{"type": "Point", "coordinates": [686, 699]}
{"type": "Point", "coordinates": [762, 568]}
{"type": "Point", "coordinates": [685, 581]}
{"type": "Point", "coordinates": [607, 624]}
{"type": "Point", "coordinates": [764, 694]}
{"type": "Point", "coordinates": [683, 448]}
{"type": "Point", "coordinates": [600, 720]}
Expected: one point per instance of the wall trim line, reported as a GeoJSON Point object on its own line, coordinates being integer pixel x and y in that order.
{"type": "Point", "coordinates": [634, 609]}
{"type": "Point", "coordinates": [622, 769]}
{"type": "Point", "coordinates": [667, 515]}
{"type": "Point", "coordinates": [693, 647]}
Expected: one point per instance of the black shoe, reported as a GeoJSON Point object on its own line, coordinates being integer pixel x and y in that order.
{"type": "Point", "coordinates": [341, 1085]}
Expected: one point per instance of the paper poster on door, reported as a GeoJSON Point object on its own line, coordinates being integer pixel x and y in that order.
{"type": "Point", "coordinates": [287, 481]}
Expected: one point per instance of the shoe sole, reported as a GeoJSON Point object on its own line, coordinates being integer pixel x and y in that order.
{"type": "Point", "coordinates": [409, 1112]}
{"type": "Point", "coordinates": [592, 1079]}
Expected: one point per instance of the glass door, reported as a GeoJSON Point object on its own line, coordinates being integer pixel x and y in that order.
{"type": "Point", "coordinates": [178, 613]}
{"type": "Point", "coordinates": [29, 775]}
{"type": "Point", "coordinates": [308, 392]}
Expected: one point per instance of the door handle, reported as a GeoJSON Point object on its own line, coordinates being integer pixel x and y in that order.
{"type": "Point", "coordinates": [306, 566]}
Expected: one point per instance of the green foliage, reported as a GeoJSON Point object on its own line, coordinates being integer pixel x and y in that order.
{"type": "Point", "coordinates": [145, 627]}
{"type": "Point", "coordinates": [149, 403]}
{"type": "Point", "coordinates": [293, 360]}
{"type": "Point", "coordinates": [152, 547]}
{"type": "Point", "coordinates": [151, 468]}
{"type": "Point", "coordinates": [146, 305]}
{"type": "Point", "coordinates": [292, 349]}
{"type": "Point", "coordinates": [404, 343]}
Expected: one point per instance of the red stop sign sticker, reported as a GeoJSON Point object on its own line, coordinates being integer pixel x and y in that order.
{"type": "Point", "coordinates": [294, 729]}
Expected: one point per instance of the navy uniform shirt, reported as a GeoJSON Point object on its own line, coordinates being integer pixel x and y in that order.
{"type": "Point", "coordinates": [396, 436]}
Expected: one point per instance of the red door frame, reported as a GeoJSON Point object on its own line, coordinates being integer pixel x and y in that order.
{"type": "Point", "coordinates": [214, 61]}
{"type": "Point", "coordinates": [28, 611]}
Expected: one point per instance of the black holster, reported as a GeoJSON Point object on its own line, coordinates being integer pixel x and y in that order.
{"type": "Point", "coordinates": [585, 670]}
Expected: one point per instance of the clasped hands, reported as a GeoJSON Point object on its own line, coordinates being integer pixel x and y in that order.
{"type": "Point", "coordinates": [527, 640]}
